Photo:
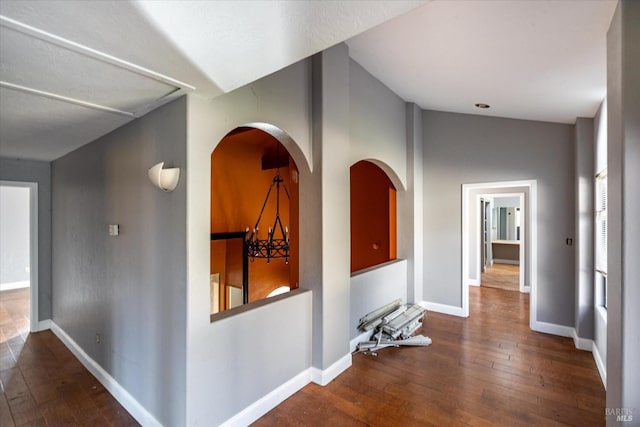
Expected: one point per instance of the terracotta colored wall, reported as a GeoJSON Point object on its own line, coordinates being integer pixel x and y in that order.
{"type": "Point", "coordinates": [238, 190]}
{"type": "Point", "coordinates": [373, 218]}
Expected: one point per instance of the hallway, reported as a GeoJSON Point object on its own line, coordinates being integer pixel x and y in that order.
{"type": "Point", "coordinates": [502, 276]}
{"type": "Point", "coordinates": [41, 382]}
{"type": "Point", "coordinates": [489, 369]}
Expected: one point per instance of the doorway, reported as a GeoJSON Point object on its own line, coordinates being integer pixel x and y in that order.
{"type": "Point", "coordinates": [19, 249]}
{"type": "Point", "coordinates": [473, 242]}
{"type": "Point", "coordinates": [502, 260]}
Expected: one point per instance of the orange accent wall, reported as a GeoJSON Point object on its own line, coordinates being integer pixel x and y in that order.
{"type": "Point", "coordinates": [238, 190]}
{"type": "Point", "coordinates": [373, 216]}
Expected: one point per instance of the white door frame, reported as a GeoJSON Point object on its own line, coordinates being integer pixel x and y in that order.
{"type": "Point", "coordinates": [33, 248]}
{"type": "Point", "coordinates": [532, 255]}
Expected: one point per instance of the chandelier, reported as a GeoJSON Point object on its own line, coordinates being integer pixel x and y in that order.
{"type": "Point", "coordinates": [276, 245]}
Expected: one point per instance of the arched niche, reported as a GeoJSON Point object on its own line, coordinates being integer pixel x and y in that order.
{"type": "Point", "coordinates": [373, 214]}
{"type": "Point", "coordinates": [243, 166]}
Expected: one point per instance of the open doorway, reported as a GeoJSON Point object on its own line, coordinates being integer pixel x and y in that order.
{"type": "Point", "coordinates": [478, 224]}
{"type": "Point", "coordinates": [18, 257]}
{"type": "Point", "coordinates": [502, 251]}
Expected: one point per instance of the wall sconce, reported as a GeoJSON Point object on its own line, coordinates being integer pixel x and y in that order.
{"type": "Point", "coordinates": [164, 179]}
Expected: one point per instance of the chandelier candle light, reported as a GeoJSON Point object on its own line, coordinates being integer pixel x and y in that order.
{"type": "Point", "coordinates": [276, 245]}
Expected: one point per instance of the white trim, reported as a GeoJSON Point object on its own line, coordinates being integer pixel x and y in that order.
{"type": "Point", "coordinates": [474, 282]}
{"type": "Point", "coordinates": [266, 403]}
{"type": "Point", "coordinates": [362, 337]}
{"type": "Point", "coordinates": [324, 377]}
{"type": "Point", "coordinates": [554, 329]}
{"type": "Point", "coordinates": [602, 369]}
{"type": "Point", "coordinates": [66, 99]}
{"type": "Point", "coordinates": [90, 52]}
{"type": "Point", "coordinates": [590, 345]}
{"type": "Point", "coordinates": [10, 286]}
{"type": "Point", "coordinates": [507, 261]}
{"type": "Point", "coordinates": [34, 265]}
{"type": "Point", "coordinates": [134, 407]}
{"type": "Point", "coordinates": [444, 308]}
{"type": "Point", "coordinates": [44, 325]}
{"type": "Point", "coordinates": [582, 343]}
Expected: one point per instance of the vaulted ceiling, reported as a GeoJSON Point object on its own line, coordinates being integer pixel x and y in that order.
{"type": "Point", "coordinates": [74, 70]}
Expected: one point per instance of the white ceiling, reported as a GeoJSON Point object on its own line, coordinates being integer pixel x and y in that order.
{"type": "Point", "coordinates": [73, 70]}
{"type": "Point", "coordinates": [530, 59]}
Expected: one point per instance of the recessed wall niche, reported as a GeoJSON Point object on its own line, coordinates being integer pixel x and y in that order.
{"type": "Point", "coordinates": [373, 216]}
{"type": "Point", "coordinates": [243, 167]}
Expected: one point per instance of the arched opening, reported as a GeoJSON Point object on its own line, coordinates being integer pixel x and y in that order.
{"type": "Point", "coordinates": [254, 185]}
{"type": "Point", "coordinates": [373, 216]}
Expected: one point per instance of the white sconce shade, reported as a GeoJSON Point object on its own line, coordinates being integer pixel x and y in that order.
{"type": "Point", "coordinates": [164, 179]}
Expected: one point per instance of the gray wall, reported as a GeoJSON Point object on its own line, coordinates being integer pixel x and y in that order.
{"type": "Point", "coordinates": [623, 252]}
{"type": "Point", "coordinates": [130, 289]}
{"type": "Point", "coordinates": [377, 125]}
{"type": "Point", "coordinates": [375, 287]}
{"type": "Point", "coordinates": [584, 243]}
{"type": "Point", "coordinates": [39, 172]}
{"type": "Point", "coordinates": [273, 353]}
{"type": "Point", "coordinates": [378, 132]}
{"type": "Point", "coordinates": [460, 149]}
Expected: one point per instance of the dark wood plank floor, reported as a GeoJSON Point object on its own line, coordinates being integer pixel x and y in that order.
{"type": "Point", "coordinates": [487, 370]}
{"type": "Point", "coordinates": [41, 382]}
{"type": "Point", "coordinates": [502, 276]}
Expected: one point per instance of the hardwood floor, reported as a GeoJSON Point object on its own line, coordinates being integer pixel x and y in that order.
{"type": "Point", "coordinates": [487, 370]}
{"type": "Point", "coordinates": [41, 382]}
{"type": "Point", "coordinates": [502, 276]}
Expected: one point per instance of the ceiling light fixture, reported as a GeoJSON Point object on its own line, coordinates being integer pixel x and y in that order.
{"type": "Point", "coordinates": [276, 245]}
{"type": "Point", "coordinates": [483, 106]}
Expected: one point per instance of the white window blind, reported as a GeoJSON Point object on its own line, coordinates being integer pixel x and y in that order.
{"type": "Point", "coordinates": [601, 222]}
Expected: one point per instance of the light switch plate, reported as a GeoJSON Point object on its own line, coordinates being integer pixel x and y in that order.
{"type": "Point", "coordinates": [114, 229]}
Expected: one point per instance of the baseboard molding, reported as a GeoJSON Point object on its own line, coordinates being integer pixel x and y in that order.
{"type": "Point", "coordinates": [473, 282]}
{"type": "Point", "coordinates": [443, 308]}
{"type": "Point", "coordinates": [136, 410]}
{"type": "Point", "coordinates": [14, 285]}
{"type": "Point", "coordinates": [362, 337]}
{"type": "Point", "coordinates": [552, 328]}
{"type": "Point", "coordinates": [266, 403]}
{"type": "Point", "coordinates": [602, 369]}
{"type": "Point", "coordinates": [582, 343]}
{"type": "Point", "coordinates": [324, 377]}
{"type": "Point", "coordinates": [44, 325]}
{"type": "Point", "coordinates": [506, 261]}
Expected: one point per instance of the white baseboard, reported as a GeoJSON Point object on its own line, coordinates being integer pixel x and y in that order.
{"type": "Point", "coordinates": [506, 261]}
{"type": "Point", "coordinates": [324, 377]}
{"type": "Point", "coordinates": [266, 403]}
{"type": "Point", "coordinates": [136, 410]}
{"type": "Point", "coordinates": [602, 369]}
{"type": "Point", "coordinates": [14, 285]}
{"type": "Point", "coordinates": [44, 325]}
{"type": "Point", "coordinates": [443, 308]}
{"type": "Point", "coordinates": [552, 328]}
{"type": "Point", "coordinates": [582, 343]}
{"type": "Point", "coordinates": [362, 337]}
{"type": "Point", "coordinates": [473, 282]}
